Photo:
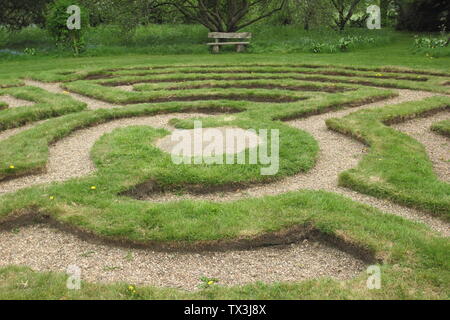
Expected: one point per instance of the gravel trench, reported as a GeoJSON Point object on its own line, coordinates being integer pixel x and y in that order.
{"type": "Point", "coordinates": [12, 132]}
{"type": "Point", "coordinates": [45, 249]}
{"type": "Point", "coordinates": [436, 145]}
{"type": "Point", "coordinates": [14, 102]}
{"type": "Point", "coordinates": [92, 104]}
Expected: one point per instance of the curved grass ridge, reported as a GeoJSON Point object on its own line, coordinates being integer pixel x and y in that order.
{"type": "Point", "coordinates": [127, 156]}
{"type": "Point", "coordinates": [7, 83]}
{"type": "Point", "coordinates": [292, 85]}
{"type": "Point", "coordinates": [118, 96]}
{"type": "Point", "coordinates": [442, 127]}
{"type": "Point", "coordinates": [375, 81]}
{"type": "Point", "coordinates": [397, 167]}
{"type": "Point", "coordinates": [47, 105]}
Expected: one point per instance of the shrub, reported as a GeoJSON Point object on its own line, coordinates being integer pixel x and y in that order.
{"type": "Point", "coordinates": [431, 43]}
{"type": "Point", "coordinates": [317, 47]}
{"type": "Point", "coordinates": [344, 43]}
{"type": "Point", "coordinates": [15, 14]}
{"type": "Point", "coordinates": [56, 23]}
{"type": "Point", "coordinates": [432, 47]}
{"type": "Point", "coordinates": [423, 15]}
{"type": "Point", "coordinates": [3, 37]}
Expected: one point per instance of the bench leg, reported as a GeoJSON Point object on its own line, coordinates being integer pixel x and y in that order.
{"type": "Point", "coordinates": [240, 48]}
{"type": "Point", "coordinates": [216, 49]}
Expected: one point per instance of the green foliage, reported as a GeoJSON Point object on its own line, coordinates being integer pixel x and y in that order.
{"type": "Point", "coordinates": [207, 282]}
{"type": "Point", "coordinates": [16, 15]}
{"type": "Point", "coordinates": [4, 36]}
{"type": "Point", "coordinates": [191, 39]}
{"type": "Point", "coordinates": [423, 15]}
{"type": "Point", "coordinates": [344, 44]}
{"type": "Point", "coordinates": [431, 43]}
{"type": "Point", "coordinates": [359, 21]}
{"type": "Point", "coordinates": [432, 47]}
{"type": "Point", "coordinates": [30, 51]}
{"type": "Point", "coordinates": [56, 22]}
{"type": "Point", "coordinates": [227, 15]}
{"type": "Point", "coordinates": [317, 47]}
{"type": "Point", "coordinates": [307, 13]}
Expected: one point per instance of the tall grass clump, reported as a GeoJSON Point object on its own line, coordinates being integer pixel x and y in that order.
{"type": "Point", "coordinates": [292, 38]}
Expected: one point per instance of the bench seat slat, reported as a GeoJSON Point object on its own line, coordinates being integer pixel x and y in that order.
{"type": "Point", "coordinates": [230, 35]}
{"type": "Point", "coordinates": [225, 43]}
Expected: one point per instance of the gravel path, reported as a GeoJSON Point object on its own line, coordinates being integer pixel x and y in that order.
{"type": "Point", "coordinates": [11, 132]}
{"type": "Point", "coordinates": [46, 249]}
{"type": "Point", "coordinates": [92, 104]}
{"type": "Point", "coordinates": [436, 145]}
{"type": "Point", "coordinates": [125, 88]}
{"type": "Point", "coordinates": [14, 102]}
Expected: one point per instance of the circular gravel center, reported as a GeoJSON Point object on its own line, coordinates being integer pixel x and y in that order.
{"type": "Point", "coordinates": [208, 141]}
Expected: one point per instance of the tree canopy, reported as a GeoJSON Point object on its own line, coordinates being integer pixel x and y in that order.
{"type": "Point", "coordinates": [227, 15]}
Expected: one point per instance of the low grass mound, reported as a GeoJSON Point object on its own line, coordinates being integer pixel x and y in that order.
{"type": "Point", "coordinates": [442, 127]}
{"type": "Point", "coordinates": [6, 83]}
{"type": "Point", "coordinates": [47, 105]}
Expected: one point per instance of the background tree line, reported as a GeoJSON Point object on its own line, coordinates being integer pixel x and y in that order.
{"type": "Point", "coordinates": [233, 15]}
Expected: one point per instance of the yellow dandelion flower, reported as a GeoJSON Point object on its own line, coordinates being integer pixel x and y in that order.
{"type": "Point", "coordinates": [11, 167]}
{"type": "Point", "coordinates": [93, 187]}
{"type": "Point", "coordinates": [210, 282]}
{"type": "Point", "coordinates": [51, 197]}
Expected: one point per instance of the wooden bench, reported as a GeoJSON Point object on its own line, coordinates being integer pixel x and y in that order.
{"type": "Point", "coordinates": [240, 46]}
